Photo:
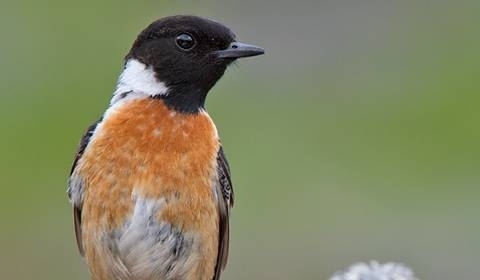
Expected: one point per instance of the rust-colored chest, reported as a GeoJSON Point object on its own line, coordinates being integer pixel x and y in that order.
{"type": "Point", "coordinates": [142, 148]}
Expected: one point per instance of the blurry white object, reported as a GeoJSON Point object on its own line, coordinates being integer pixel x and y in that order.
{"type": "Point", "coordinates": [375, 271]}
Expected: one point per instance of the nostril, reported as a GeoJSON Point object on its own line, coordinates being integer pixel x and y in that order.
{"type": "Point", "coordinates": [234, 46]}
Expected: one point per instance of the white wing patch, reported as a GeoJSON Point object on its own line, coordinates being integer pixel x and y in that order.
{"type": "Point", "coordinates": [75, 190]}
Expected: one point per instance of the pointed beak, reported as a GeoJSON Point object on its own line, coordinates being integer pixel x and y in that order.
{"type": "Point", "coordinates": [238, 50]}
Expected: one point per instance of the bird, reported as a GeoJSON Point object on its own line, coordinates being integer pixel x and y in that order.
{"type": "Point", "coordinates": [150, 184]}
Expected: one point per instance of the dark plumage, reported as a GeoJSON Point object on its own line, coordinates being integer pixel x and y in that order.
{"type": "Point", "coordinates": [188, 73]}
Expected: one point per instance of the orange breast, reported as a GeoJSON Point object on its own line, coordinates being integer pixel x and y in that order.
{"type": "Point", "coordinates": [143, 148]}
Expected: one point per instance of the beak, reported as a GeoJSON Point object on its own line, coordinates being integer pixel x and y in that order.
{"type": "Point", "coordinates": [238, 50]}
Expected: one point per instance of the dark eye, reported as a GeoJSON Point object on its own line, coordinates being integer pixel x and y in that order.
{"type": "Point", "coordinates": [185, 41]}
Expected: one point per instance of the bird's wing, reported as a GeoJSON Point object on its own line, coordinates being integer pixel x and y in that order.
{"type": "Point", "coordinates": [75, 186]}
{"type": "Point", "coordinates": [225, 195]}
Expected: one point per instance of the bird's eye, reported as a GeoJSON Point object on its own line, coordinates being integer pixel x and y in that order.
{"type": "Point", "coordinates": [185, 41]}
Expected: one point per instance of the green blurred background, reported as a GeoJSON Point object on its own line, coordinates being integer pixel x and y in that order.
{"type": "Point", "coordinates": [356, 137]}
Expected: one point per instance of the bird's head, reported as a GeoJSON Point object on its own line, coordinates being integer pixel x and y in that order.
{"type": "Point", "coordinates": [180, 58]}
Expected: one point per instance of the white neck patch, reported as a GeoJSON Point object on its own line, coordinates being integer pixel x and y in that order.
{"type": "Point", "coordinates": [139, 79]}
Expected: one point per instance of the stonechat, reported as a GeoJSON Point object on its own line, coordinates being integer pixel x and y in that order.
{"type": "Point", "coordinates": [150, 185]}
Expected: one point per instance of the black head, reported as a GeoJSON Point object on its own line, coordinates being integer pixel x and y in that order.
{"type": "Point", "coordinates": [189, 55]}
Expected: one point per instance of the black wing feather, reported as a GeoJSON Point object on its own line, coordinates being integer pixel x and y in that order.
{"type": "Point", "coordinates": [225, 203]}
{"type": "Point", "coordinates": [83, 144]}
{"type": "Point", "coordinates": [77, 209]}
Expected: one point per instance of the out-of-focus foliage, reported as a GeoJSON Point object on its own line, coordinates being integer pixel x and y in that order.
{"type": "Point", "coordinates": [355, 137]}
